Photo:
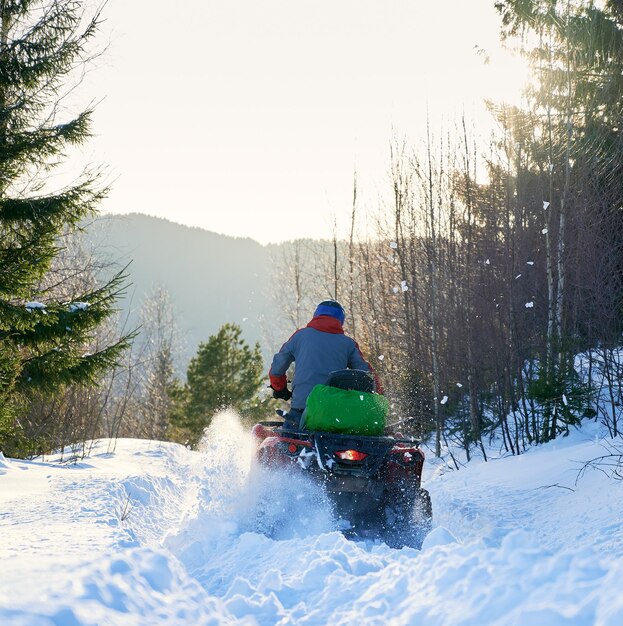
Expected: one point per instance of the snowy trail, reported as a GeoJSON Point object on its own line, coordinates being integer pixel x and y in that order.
{"type": "Point", "coordinates": [515, 556]}
{"type": "Point", "coordinates": [539, 492]}
{"type": "Point", "coordinates": [157, 535]}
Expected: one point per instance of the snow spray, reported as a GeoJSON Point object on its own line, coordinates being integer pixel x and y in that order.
{"type": "Point", "coordinates": [234, 495]}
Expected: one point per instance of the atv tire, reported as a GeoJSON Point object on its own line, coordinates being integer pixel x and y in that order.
{"type": "Point", "coordinates": [423, 511]}
{"type": "Point", "coordinates": [408, 524]}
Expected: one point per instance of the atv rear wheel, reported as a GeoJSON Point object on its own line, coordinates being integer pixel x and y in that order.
{"type": "Point", "coordinates": [423, 510]}
{"type": "Point", "coordinates": [408, 523]}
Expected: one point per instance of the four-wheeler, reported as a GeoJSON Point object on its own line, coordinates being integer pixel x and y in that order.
{"type": "Point", "coordinates": [373, 482]}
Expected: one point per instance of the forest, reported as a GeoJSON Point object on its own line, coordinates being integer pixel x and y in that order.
{"type": "Point", "coordinates": [488, 294]}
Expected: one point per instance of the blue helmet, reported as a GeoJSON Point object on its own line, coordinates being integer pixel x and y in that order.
{"type": "Point", "coordinates": [332, 308]}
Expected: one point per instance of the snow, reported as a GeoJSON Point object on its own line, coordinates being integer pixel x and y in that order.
{"type": "Point", "coordinates": [151, 533]}
{"type": "Point", "coordinates": [78, 306]}
{"type": "Point", "coordinates": [529, 305]}
{"type": "Point", "coordinates": [35, 306]}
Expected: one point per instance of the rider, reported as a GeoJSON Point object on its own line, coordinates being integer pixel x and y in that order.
{"type": "Point", "coordinates": [318, 349]}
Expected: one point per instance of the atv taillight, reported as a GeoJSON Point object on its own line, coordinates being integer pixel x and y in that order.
{"type": "Point", "coordinates": [292, 448]}
{"type": "Point", "coordinates": [350, 455]}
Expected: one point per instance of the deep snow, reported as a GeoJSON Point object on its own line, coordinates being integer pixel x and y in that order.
{"type": "Point", "coordinates": [154, 534]}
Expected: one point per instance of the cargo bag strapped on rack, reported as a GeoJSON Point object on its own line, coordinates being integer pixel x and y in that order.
{"type": "Point", "coordinates": [347, 411]}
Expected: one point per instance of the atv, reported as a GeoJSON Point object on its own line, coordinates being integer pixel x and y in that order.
{"type": "Point", "coordinates": [372, 482]}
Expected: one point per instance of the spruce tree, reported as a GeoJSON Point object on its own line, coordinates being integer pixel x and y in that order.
{"type": "Point", "coordinates": [43, 338]}
{"type": "Point", "coordinates": [226, 372]}
{"type": "Point", "coordinates": [575, 50]}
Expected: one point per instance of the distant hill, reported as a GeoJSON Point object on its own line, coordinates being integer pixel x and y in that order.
{"type": "Point", "coordinates": [211, 278]}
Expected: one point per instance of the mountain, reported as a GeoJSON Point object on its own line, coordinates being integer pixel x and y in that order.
{"type": "Point", "coordinates": [211, 278]}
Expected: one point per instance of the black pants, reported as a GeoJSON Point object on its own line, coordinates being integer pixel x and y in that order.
{"type": "Point", "coordinates": [293, 419]}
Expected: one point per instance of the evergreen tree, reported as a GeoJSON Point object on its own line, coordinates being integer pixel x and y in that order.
{"type": "Point", "coordinates": [576, 52]}
{"type": "Point", "coordinates": [158, 349]}
{"type": "Point", "coordinates": [43, 338]}
{"type": "Point", "coordinates": [226, 372]}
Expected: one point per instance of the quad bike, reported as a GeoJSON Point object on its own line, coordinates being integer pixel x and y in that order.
{"type": "Point", "coordinates": [372, 482]}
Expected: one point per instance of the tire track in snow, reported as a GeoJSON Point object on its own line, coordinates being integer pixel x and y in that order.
{"type": "Point", "coordinates": [510, 566]}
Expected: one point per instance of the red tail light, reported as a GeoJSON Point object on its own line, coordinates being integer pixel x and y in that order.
{"type": "Point", "coordinates": [350, 455]}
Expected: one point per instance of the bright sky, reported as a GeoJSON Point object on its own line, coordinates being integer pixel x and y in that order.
{"type": "Point", "coordinates": [248, 117]}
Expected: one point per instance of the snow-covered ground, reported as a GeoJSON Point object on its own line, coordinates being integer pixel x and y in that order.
{"type": "Point", "coordinates": [153, 534]}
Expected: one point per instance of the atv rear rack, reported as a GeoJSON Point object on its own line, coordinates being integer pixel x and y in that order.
{"type": "Point", "coordinates": [278, 428]}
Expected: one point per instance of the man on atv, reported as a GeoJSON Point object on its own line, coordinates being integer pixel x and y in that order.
{"type": "Point", "coordinates": [318, 349]}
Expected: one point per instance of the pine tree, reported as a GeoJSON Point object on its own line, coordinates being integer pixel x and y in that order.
{"type": "Point", "coordinates": [576, 52]}
{"type": "Point", "coordinates": [158, 347]}
{"type": "Point", "coordinates": [226, 372]}
{"type": "Point", "coordinates": [43, 338]}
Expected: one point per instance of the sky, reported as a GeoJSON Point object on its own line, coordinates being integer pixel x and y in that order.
{"type": "Point", "coordinates": [249, 118]}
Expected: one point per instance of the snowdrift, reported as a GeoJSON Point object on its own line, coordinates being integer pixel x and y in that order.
{"type": "Point", "coordinates": [153, 534]}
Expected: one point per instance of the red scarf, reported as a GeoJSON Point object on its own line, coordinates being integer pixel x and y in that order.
{"type": "Point", "coordinates": [326, 324]}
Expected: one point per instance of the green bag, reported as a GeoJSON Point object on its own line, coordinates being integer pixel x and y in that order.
{"type": "Point", "coordinates": [334, 410]}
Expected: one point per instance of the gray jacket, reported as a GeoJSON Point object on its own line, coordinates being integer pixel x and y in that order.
{"type": "Point", "coordinates": [318, 349]}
